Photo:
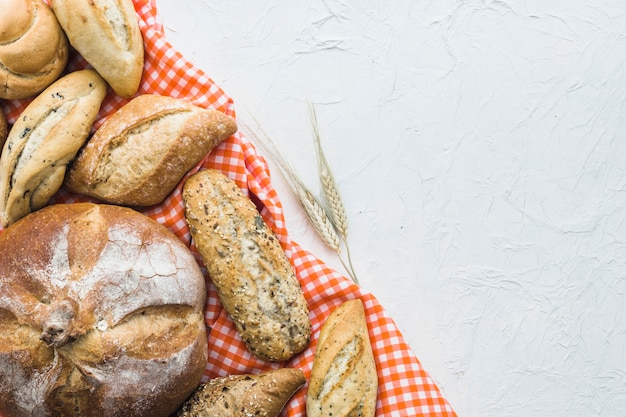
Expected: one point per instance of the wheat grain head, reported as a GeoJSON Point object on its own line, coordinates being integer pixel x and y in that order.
{"type": "Point", "coordinates": [330, 191]}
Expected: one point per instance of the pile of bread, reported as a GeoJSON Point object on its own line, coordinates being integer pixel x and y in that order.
{"type": "Point", "coordinates": [101, 307]}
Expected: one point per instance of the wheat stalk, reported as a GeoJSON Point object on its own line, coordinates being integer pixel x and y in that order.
{"type": "Point", "coordinates": [313, 208]}
{"type": "Point", "coordinates": [331, 196]}
{"type": "Point", "coordinates": [330, 192]}
{"type": "Point", "coordinates": [318, 216]}
{"type": "Point", "coordinates": [316, 212]}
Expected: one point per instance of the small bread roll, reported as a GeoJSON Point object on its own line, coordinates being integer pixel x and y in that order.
{"type": "Point", "coordinates": [106, 33]}
{"type": "Point", "coordinates": [260, 395]}
{"type": "Point", "coordinates": [44, 139]}
{"type": "Point", "coordinates": [253, 276]}
{"type": "Point", "coordinates": [343, 378]}
{"type": "Point", "coordinates": [33, 48]}
{"type": "Point", "coordinates": [139, 155]}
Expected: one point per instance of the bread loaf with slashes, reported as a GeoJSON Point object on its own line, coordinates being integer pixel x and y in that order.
{"type": "Point", "coordinates": [101, 314]}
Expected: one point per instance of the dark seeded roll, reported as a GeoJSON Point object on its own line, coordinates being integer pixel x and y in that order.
{"type": "Point", "coordinates": [263, 395]}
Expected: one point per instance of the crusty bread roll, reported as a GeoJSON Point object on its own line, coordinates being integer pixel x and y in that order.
{"type": "Point", "coordinates": [33, 48]}
{"type": "Point", "coordinates": [44, 139]}
{"type": "Point", "coordinates": [343, 378]}
{"type": "Point", "coordinates": [139, 155]}
{"type": "Point", "coordinates": [101, 314]}
{"type": "Point", "coordinates": [106, 33]}
{"type": "Point", "coordinates": [252, 274]}
{"type": "Point", "coordinates": [259, 395]}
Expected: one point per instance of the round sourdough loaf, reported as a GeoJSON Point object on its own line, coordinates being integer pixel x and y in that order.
{"type": "Point", "coordinates": [101, 314]}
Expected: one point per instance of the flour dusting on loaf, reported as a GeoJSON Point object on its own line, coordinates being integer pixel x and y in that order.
{"type": "Point", "coordinates": [57, 270]}
{"type": "Point", "coordinates": [101, 313]}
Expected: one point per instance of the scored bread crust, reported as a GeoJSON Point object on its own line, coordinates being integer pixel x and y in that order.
{"type": "Point", "coordinates": [106, 33]}
{"type": "Point", "coordinates": [101, 314]}
{"type": "Point", "coordinates": [140, 153]}
{"type": "Point", "coordinates": [343, 377]}
{"type": "Point", "coordinates": [43, 141]}
{"type": "Point", "coordinates": [259, 395]}
{"type": "Point", "coordinates": [33, 48]}
{"type": "Point", "coordinates": [251, 272]}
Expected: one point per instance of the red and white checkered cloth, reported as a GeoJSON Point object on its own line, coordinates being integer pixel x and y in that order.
{"type": "Point", "coordinates": [405, 388]}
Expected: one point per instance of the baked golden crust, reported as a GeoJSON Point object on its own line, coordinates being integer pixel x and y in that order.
{"type": "Point", "coordinates": [106, 33]}
{"type": "Point", "coordinates": [254, 279]}
{"type": "Point", "coordinates": [101, 314]}
{"type": "Point", "coordinates": [4, 129]}
{"type": "Point", "coordinates": [260, 395]}
{"type": "Point", "coordinates": [139, 155]}
{"type": "Point", "coordinates": [33, 48]}
{"type": "Point", "coordinates": [44, 139]}
{"type": "Point", "coordinates": [343, 378]}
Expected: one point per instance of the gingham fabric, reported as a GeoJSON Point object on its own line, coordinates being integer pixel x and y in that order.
{"type": "Point", "coordinates": [405, 388]}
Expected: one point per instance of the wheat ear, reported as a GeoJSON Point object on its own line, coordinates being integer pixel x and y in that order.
{"type": "Point", "coordinates": [312, 206]}
{"type": "Point", "coordinates": [321, 222]}
{"type": "Point", "coordinates": [331, 196]}
{"type": "Point", "coordinates": [330, 192]}
{"type": "Point", "coordinates": [314, 209]}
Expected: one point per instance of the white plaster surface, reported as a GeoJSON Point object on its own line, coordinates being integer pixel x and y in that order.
{"type": "Point", "coordinates": [480, 148]}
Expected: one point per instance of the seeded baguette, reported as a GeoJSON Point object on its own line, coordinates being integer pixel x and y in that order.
{"type": "Point", "coordinates": [343, 377]}
{"type": "Point", "coordinates": [260, 395]}
{"type": "Point", "coordinates": [254, 279]}
{"type": "Point", "coordinates": [44, 139]}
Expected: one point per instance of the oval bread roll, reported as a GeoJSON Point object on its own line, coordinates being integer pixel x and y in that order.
{"type": "Point", "coordinates": [140, 153]}
{"type": "Point", "coordinates": [33, 48]}
{"type": "Point", "coordinates": [43, 141]}
{"type": "Point", "coordinates": [254, 279]}
{"type": "Point", "coordinates": [106, 33]}
{"type": "Point", "coordinates": [343, 378]}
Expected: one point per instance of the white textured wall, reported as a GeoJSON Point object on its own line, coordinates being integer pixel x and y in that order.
{"type": "Point", "coordinates": [480, 147]}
